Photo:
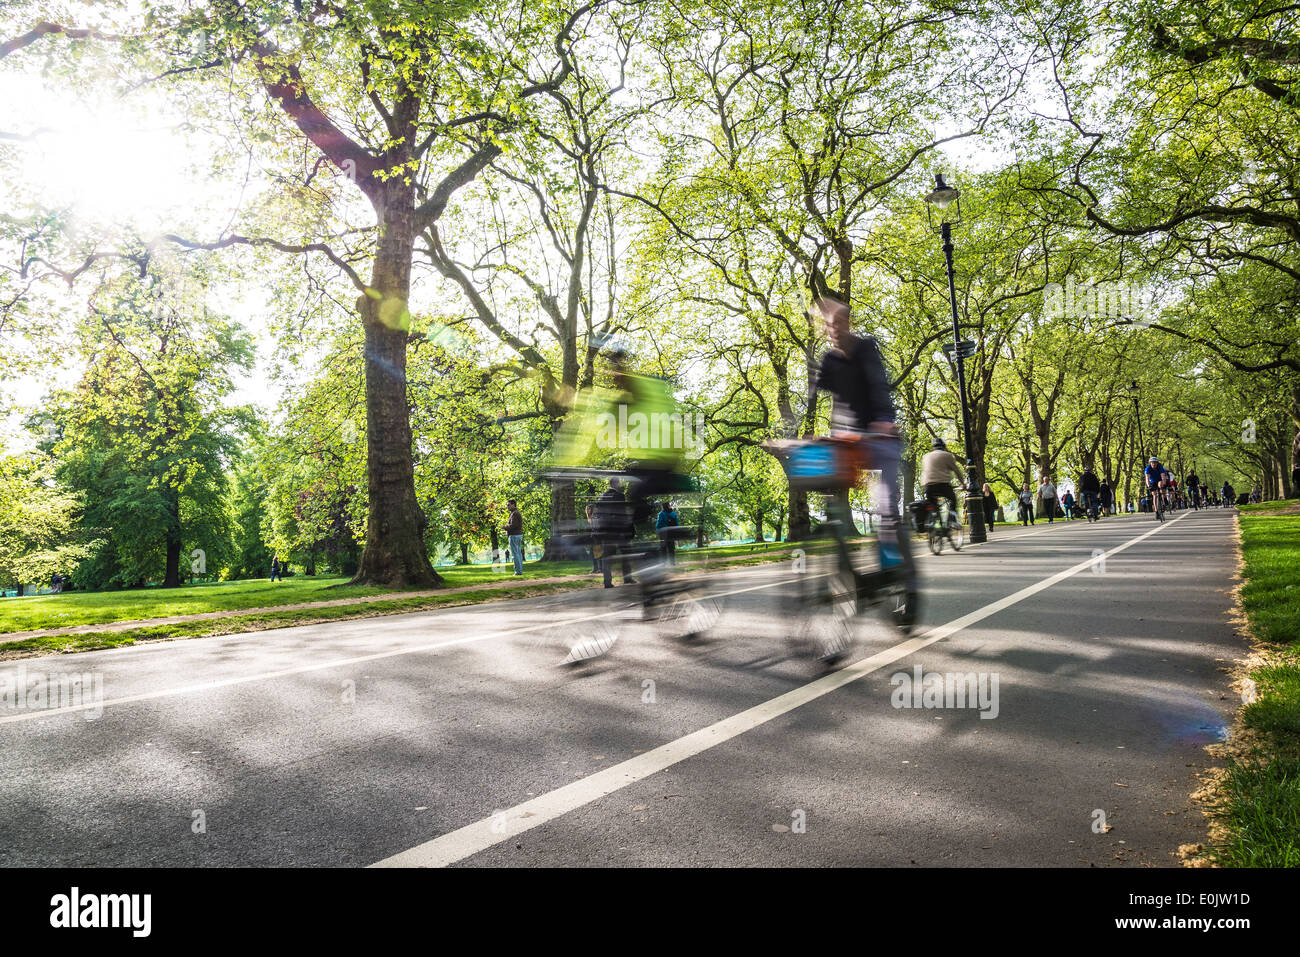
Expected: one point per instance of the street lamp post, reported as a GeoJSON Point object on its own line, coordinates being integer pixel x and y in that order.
{"type": "Point", "coordinates": [941, 197]}
{"type": "Point", "coordinates": [1136, 391]}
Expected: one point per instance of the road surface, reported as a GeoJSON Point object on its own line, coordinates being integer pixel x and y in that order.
{"type": "Point", "coordinates": [454, 737]}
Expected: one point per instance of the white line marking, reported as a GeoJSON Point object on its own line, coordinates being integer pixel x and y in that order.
{"type": "Point", "coordinates": [472, 838]}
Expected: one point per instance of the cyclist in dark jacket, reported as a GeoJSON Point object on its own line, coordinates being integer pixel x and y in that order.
{"type": "Point", "coordinates": [1089, 488]}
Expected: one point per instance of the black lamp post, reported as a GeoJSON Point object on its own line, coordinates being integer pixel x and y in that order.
{"type": "Point", "coordinates": [1136, 391]}
{"type": "Point", "coordinates": [942, 197]}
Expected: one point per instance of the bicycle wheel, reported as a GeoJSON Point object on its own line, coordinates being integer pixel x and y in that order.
{"type": "Point", "coordinates": [902, 606]}
{"type": "Point", "coordinates": [957, 537]}
{"type": "Point", "coordinates": [832, 625]}
{"type": "Point", "coordinates": [936, 539]}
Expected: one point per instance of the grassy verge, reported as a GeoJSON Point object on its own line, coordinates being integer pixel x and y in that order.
{"type": "Point", "coordinates": [279, 618]}
{"type": "Point", "coordinates": [103, 607]}
{"type": "Point", "coordinates": [1255, 804]}
{"type": "Point", "coordinates": [286, 617]}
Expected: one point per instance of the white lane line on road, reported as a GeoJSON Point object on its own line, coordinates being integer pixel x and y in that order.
{"type": "Point", "coordinates": [472, 838]}
{"type": "Point", "coordinates": [325, 665]}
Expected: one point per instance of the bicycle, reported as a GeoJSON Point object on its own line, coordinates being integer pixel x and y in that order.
{"type": "Point", "coordinates": [834, 592]}
{"type": "Point", "coordinates": [936, 525]}
{"type": "Point", "coordinates": [663, 596]}
{"type": "Point", "coordinates": [1157, 498]}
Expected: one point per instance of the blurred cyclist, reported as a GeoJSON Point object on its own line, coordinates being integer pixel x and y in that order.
{"type": "Point", "coordinates": [853, 372]}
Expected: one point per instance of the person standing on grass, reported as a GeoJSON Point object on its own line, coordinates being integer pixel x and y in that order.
{"type": "Point", "coordinates": [275, 567]}
{"type": "Point", "coordinates": [990, 505]}
{"type": "Point", "coordinates": [1047, 495]}
{"type": "Point", "coordinates": [515, 534]}
{"type": "Point", "coordinates": [667, 519]}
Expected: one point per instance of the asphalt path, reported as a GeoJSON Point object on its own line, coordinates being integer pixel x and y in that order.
{"type": "Point", "coordinates": [456, 738]}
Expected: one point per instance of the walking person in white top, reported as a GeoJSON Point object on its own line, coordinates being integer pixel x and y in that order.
{"type": "Point", "coordinates": [1047, 495]}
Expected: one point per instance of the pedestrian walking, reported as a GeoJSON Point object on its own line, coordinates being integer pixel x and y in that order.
{"type": "Point", "coordinates": [1026, 505]}
{"type": "Point", "coordinates": [990, 505]}
{"type": "Point", "coordinates": [515, 535]}
{"type": "Point", "coordinates": [1107, 496]}
{"type": "Point", "coordinates": [613, 525]}
{"type": "Point", "coordinates": [275, 567]}
{"type": "Point", "coordinates": [1047, 496]}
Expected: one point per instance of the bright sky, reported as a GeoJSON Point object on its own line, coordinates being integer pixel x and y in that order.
{"type": "Point", "coordinates": [115, 163]}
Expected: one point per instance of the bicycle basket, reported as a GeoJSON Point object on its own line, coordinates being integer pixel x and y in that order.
{"type": "Point", "coordinates": [819, 465]}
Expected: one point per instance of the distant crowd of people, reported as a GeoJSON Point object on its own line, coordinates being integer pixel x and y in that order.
{"type": "Point", "coordinates": [1047, 501]}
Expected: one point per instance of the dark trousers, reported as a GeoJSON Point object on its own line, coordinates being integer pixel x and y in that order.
{"type": "Point", "coordinates": [613, 552]}
{"type": "Point", "coordinates": [937, 490]}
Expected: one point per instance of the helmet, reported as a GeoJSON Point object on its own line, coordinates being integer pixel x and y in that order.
{"type": "Point", "coordinates": [1153, 460]}
{"type": "Point", "coordinates": [939, 443]}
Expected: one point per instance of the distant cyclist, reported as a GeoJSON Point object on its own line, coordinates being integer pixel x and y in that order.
{"type": "Point", "coordinates": [1090, 490]}
{"type": "Point", "coordinates": [1156, 478]}
{"type": "Point", "coordinates": [1194, 489]}
{"type": "Point", "coordinates": [938, 467]}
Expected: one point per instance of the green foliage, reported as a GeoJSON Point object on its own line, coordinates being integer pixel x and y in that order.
{"type": "Point", "coordinates": [143, 439]}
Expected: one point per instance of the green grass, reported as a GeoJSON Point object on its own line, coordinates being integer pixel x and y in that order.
{"type": "Point", "coordinates": [105, 607]}
{"type": "Point", "coordinates": [1258, 803]}
{"type": "Point", "coordinates": [101, 607]}
{"type": "Point", "coordinates": [1260, 807]}
{"type": "Point", "coordinates": [261, 621]}
{"type": "Point", "coordinates": [1271, 596]}
{"type": "Point", "coordinates": [1277, 506]}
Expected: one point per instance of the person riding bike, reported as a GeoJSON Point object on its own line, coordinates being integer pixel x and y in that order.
{"type": "Point", "coordinates": [1090, 491]}
{"type": "Point", "coordinates": [938, 468]}
{"type": "Point", "coordinates": [635, 424]}
{"type": "Point", "coordinates": [853, 372]}
{"type": "Point", "coordinates": [1156, 477]}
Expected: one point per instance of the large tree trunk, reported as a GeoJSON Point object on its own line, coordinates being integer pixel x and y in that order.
{"type": "Point", "coordinates": [394, 550]}
{"type": "Point", "coordinates": [172, 577]}
{"type": "Point", "coordinates": [758, 525]}
{"type": "Point", "coordinates": [564, 518]}
{"type": "Point", "coordinates": [800, 522]}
